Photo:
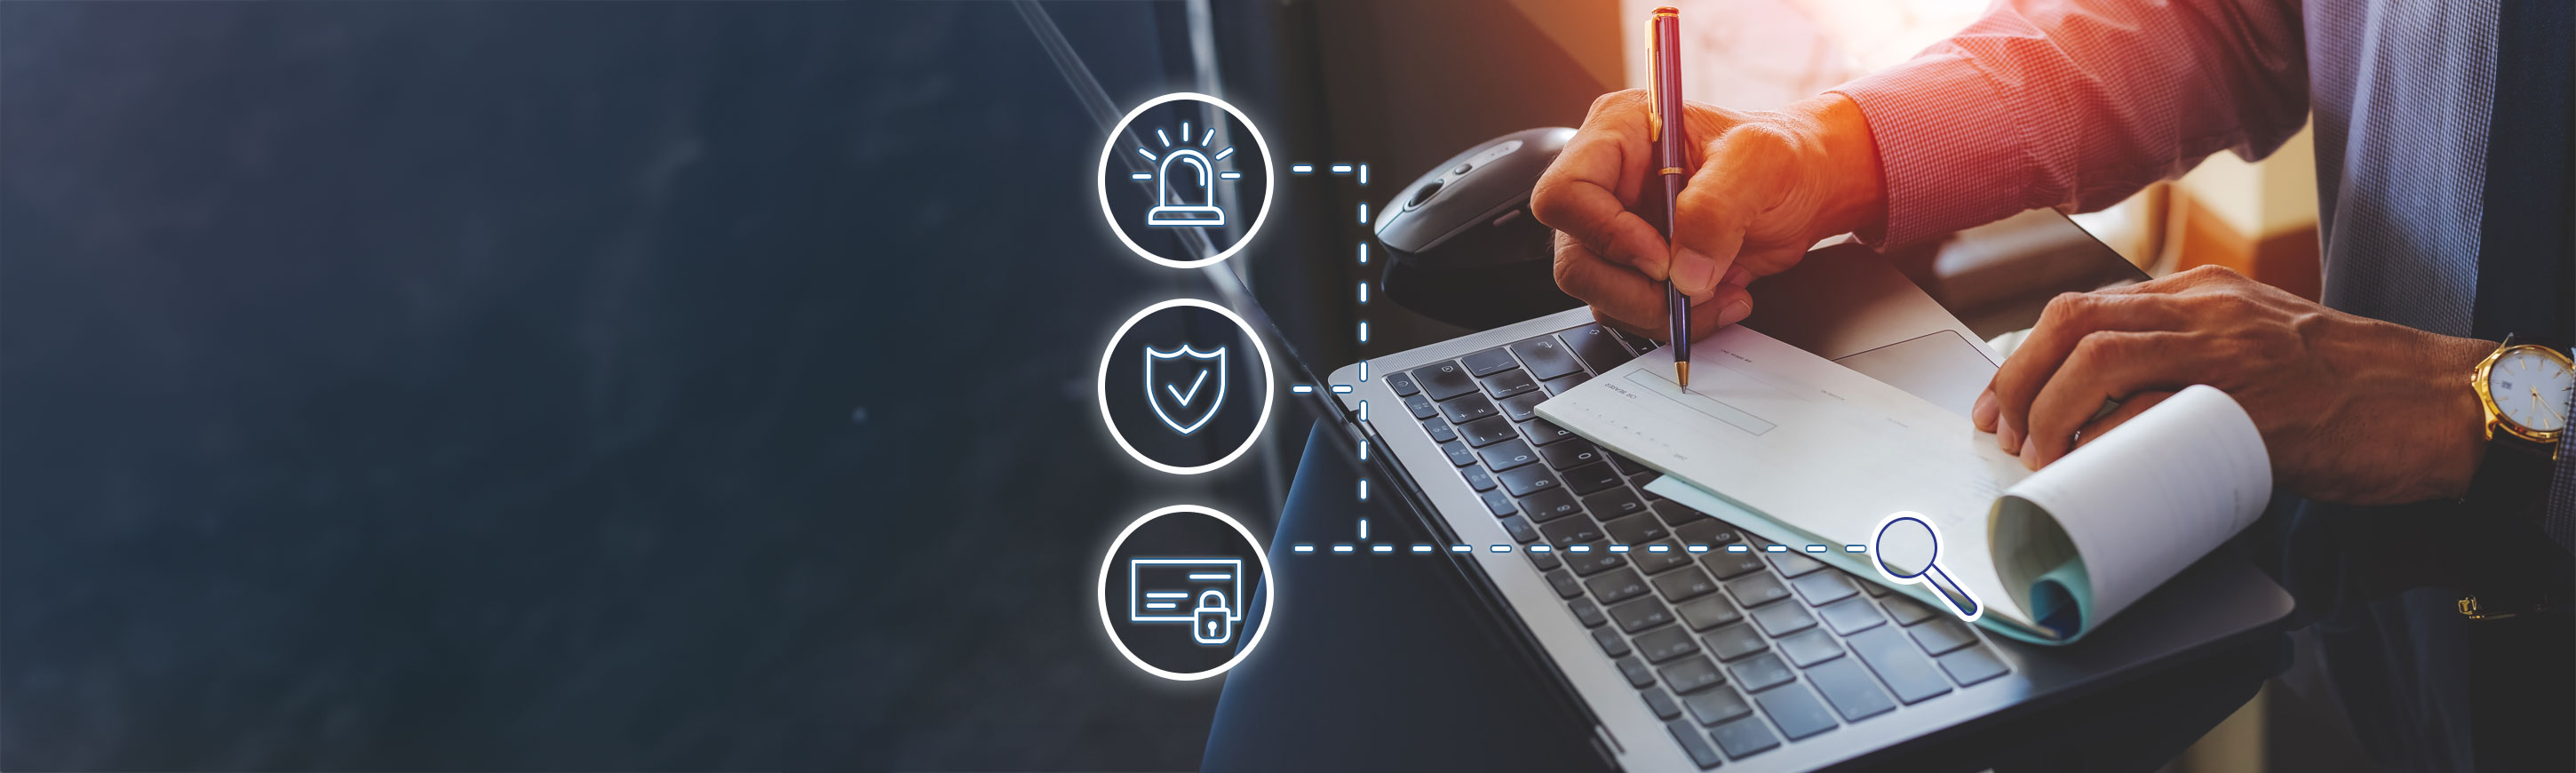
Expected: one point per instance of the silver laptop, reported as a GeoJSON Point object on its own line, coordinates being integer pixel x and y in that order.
{"type": "Point", "coordinates": [1690, 659]}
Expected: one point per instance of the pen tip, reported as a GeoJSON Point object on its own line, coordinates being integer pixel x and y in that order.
{"type": "Point", "coordinates": [1681, 372]}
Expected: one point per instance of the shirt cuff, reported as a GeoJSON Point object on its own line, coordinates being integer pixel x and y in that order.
{"type": "Point", "coordinates": [1949, 148]}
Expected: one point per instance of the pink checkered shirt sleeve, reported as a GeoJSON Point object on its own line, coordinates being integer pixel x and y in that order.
{"type": "Point", "coordinates": [2076, 104]}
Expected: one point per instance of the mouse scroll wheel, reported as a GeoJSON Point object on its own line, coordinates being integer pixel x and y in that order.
{"type": "Point", "coordinates": [1423, 195]}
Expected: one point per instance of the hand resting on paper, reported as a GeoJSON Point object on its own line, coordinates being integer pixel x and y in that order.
{"type": "Point", "coordinates": [2351, 409]}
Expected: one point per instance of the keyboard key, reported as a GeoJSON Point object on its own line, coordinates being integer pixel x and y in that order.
{"type": "Point", "coordinates": [1592, 562]}
{"type": "Point", "coordinates": [1617, 586]}
{"type": "Point", "coordinates": [1692, 674]}
{"type": "Point", "coordinates": [1810, 647]}
{"type": "Point", "coordinates": [1644, 479]}
{"type": "Point", "coordinates": [1693, 744]}
{"type": "Point", "coordinates": [1478, 478]}
{"type": "Point", "coordinates": [1666, 643]}
{"type": "Point", "coordinates": [1402, 383]}
{"type": "Point", "coordinates": [1543, 432]}
{"type": "Point", "coordinates": [1906, 610]}
{"type": "Point", "coordinates": [1727, 565]}
{"type": "Point", "coordinates": [1569, 588]}
{"type": "Point", "coordinates": [1489, 362]}
{"type": "Point", "coordinates": [1661, 703]}
{"type": "Point", "coordinates": [1794, 564]}
{"type": "Point", "coordinates": [1585, 480]}
{"type": "Point", "coordinates": [1707, 612]}
{"type": "Point", "coordinates": [1615, 503]}
{"type": "Point", "coordinates": [1734, 642]}
{"type": "Point", "coordinates": [1611, 643]}
{"type": "Point", "coordinates": [1651, 562]}
{"type": "Point", "coordinates": [1973, 665]}
{"type": "Point", "coordinates": [1762, 672]}
{"type": "Point", "coordinates": [1546, 562]}
{"type": "Point", "coordinates": [1440, 431]}
{"type": "Point", "coordinates": [1509, 382]}
{"type": "Point", "coordinates": [1715, 706]}
{"type": "Point", "coordinates": [1632, 530]}
{"type": "Point", "coordinates": [1640, 614]}
{"type": "Point", "coordinates": [1458, 453]}
{"type": "Point", "coordinates": [1685, 585]}
{"type": "Point", "coordinates": [1486, 432]}
{"type": "Point", "coordinates": [1444, 380]}
{"type": "Point", "coordinates": [1757, 589]}
{"type": "Point", "coordinates": [1699, 529]}
{"type": "Point", "coordinates": [1823, 588]}
{"type": "Point", "coordinates": [1850, 689]}
{"type": "Point", "coordinates": [1546, 357]}
{"type": "Point", "coordinates": [1627, 466]}
{"type": "Point", "coordinates": [1896, 661]}
{"type": "Point", "coordinates": [1783, 619]}
{"type": "Point", "coordinates": [1469, 408]}
{"type": "Point", "coordinates": [1876, 590]}
{"type": "Point", "coordinates": [1594, 345]}
{"type": "Point", "coordinates": [1639, 674]}
{"type": "Point", "coordinates": [1523, 406]}
{"type": "Point", "coordinates": [1744, 738]}
{"type": "Point", "coordinates": [1851, 617]}
{"type": "Point", "coordinates": [1557, 386]}
{"type": "Point", "coordinates": [1421, 406]}
{"type": "Point", "coordinates": [1499, 503]}
{"type": "Point", "coordinates": [1526, 480]}
{"type": "Point", "coordinates": [1550, 505]}
{"type": "Point", "coordinates": [1641, 344]}
{"type": "Point", "coordinates": [1796, 711]}
{"type": "Point", "coordinates": [1571, 531]}
{"type": "Point", "coordinates": [1943, 635]}
{"type": "Point", "coordinates": [1573, 454]}
{"type": "Point", "coordinates": [1505, 456]}
{"type": "Point", "coordinates": [1520, 528]}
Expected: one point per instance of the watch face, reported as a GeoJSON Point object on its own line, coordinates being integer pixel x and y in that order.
{"type": "Point", "coordinates": [2531, 390]}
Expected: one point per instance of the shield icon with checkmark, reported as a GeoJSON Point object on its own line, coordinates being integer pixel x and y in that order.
{"type": "Point", "coordinates": [1185, 386]}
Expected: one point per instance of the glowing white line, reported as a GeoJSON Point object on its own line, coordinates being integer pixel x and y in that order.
{"type": "Point", "coordinates": [1229, 150]}
{"type": "Point", "coordinates": [1166, 138]}
{"type": "Point", "coordinates": [1149, 155]}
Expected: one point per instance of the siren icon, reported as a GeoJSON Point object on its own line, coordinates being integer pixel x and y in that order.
{"type": "Point", "coordinates": [1173, 204]}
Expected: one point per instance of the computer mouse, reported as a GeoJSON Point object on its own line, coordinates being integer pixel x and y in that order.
{"type": "Point", "coordinates": [1461, 244]}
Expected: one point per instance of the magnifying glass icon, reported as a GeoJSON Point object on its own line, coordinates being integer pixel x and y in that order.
{"type": "Point", "coordinates": [1908, 550]}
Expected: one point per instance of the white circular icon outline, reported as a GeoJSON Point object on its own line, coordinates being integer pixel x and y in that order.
{"type": "Point", "coordinates": [1269, 180]}
{"type": "Point", "coordinates": [1260, 421]}
{"type": "Point", "coordinates": [1269, 594]}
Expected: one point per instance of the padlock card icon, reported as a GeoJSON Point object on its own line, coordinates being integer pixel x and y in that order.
{"type": "Point", "coordinates": [1212, 622]}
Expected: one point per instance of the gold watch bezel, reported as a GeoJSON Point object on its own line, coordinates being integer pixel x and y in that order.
{"type": "Point", "coordinates": [2486, 397]}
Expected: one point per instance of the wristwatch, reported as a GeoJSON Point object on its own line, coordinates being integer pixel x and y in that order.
{"type": "Point", "coordinates": [2524, 389]}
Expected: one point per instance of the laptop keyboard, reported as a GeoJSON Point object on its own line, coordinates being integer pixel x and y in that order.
{"type": "Point", "coordinates": [1738, 652]}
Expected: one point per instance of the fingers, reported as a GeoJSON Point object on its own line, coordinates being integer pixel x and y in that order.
{"type": "Point", "coordinates": [1619, 292]}
{"type": "Point", "coordinates": [1746, 169]}
{"type": "Point", "coordinates": [2104, 366]}
{"type": "Point", "coordinates": [2067, 320]}
{"type": "Point", "coordinates": [1587, 191]}
{"type": "Point", "coordinates": [1623, 298]}
{"type": "Point", "coordinates": [2129, 409]}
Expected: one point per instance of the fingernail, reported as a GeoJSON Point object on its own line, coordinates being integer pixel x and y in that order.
{"type": "Point", "coordinates": [1983, 413]}
{"type": "Point", "coordinates": [1734, 312]}
{"type": "Point", "coordinates": [1693, 272]}
{"type": "Point", "coordinates": [2008, 439]}
{"type": "Point", "coordinates": [2030, 456]}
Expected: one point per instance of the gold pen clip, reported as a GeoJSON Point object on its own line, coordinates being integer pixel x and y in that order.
{"type": "Point", "coordinates": [1654, 86]}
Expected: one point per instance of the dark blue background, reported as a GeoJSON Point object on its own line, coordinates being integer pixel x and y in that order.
{"type": "Point", "coordinates": [631, 386]}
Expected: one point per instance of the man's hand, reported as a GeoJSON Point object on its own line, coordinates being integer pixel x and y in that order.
{"type": "Point", "coordinates": [1763, 188]}
{"type": "Point", "coordinates": [2353, 410]}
